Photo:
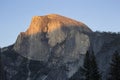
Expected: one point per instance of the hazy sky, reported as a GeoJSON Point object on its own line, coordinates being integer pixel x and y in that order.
{"type": "Point", "coordinates": [16, 15]}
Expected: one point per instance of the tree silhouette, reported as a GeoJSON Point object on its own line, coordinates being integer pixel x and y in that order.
{"type": "Point", "coordinates": [95, 75]}
{"type": "Point", "coordinates": [115, 67]}
{"type": "Point", "coordinates": [86, 66]}
{"type": "Point", "coordinates": [90, 69]}
{"type": "Point", "coordinates": [83, 72]}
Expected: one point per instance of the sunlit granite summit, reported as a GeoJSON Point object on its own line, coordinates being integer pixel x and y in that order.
{"type": "Point", "coordinates": [55, 40]}
{"type": "Point", "coordinates": [53, 48]}
{"type": "Point", "coordinates": [53, 34]}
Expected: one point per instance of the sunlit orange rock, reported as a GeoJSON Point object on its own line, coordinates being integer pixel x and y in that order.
{"type": "Point", "coordinates": [56, 40]}
{"type": "Point", "coordinates": [51, 22]}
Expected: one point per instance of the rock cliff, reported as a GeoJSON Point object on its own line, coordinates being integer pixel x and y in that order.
{"type": "Point", "coordinates": [47, 32]}
{"type": "Point", "coordinates": [55, 40]}
{"type": "Point", "coordinates": [53, 48]}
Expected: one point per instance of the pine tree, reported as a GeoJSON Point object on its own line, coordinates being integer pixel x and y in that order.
{"type": "Point", "coordinates": [90, 69]}
{"type": "Point", "coordinates": [115, 67]}
{"type": "Point", "coordinates": [95, 75]}
{"type": "Point", "coordinates": [86, 66]}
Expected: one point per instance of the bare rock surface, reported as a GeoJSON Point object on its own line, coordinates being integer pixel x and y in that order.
{"type": "Point", "coordinates": [47, 32]}
{"type": "Point", "coordinates": [55, 40]}
{"type": "Point", "coordinates": [53, 48]}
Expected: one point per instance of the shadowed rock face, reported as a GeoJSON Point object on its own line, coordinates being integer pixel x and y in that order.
{"type": "Point", "coordinates": [47, 32]}
{"type": "Point", "coordinates": [53, 48]}
{"type": "Point", "coordinates": [55, 40]}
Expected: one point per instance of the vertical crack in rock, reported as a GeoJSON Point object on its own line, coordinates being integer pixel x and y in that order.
{"type": "Point", "coordinates": [29, 72]}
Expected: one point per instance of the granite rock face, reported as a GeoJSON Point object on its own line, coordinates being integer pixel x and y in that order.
{"type": "Point", "coordinates": [53, 48]}
{"type": "Point", "coordinates": [47, 32]}
{"type": "Point", "coordinates": [56, 41]}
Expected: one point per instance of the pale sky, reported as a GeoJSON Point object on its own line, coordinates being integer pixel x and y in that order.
{"type": "Point", "coordinates": [16, 15]}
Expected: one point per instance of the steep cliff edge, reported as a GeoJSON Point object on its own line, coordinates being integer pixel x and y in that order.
{"type": "Point", "coordinates": [52, 31]}
{"type": "Point", "coordinates": [55, 40]}
{"type": "Point", "coordinates": [53, 48]}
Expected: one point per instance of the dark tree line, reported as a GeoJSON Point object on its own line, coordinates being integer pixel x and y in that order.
{"type": "Point", "coordinates": [114, 73]}
{"type": "Point", "coordinates": [90, 69]}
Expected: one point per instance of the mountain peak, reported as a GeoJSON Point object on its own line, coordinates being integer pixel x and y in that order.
{"type": "Point", "coordinates": [46, 32]}
{"type": "Point", "coordinates": [51, 22]}
{"type": "Point", "coordinates": [55, 40]}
